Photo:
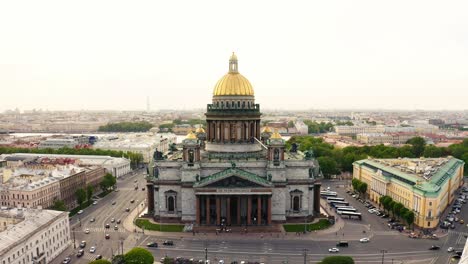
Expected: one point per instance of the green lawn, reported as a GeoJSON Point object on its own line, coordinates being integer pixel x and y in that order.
{"type": "Point", "coordinates": [321, 224]}
{"type": "Point", "coordinates": [157, 227]}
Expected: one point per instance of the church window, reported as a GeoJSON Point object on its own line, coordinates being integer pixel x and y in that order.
{"type": "Point", "coordinates": [238, 103]}
{"type": "Point", "coordinates": [296, 200]}
{"type": "Point", "coordinates": [171, 201]}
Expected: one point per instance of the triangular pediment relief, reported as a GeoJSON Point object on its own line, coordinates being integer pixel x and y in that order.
{"type": "Point", "coordinates": [233, 178]}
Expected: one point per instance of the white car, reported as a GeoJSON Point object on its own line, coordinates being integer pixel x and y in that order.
{"type": "Point", "coordinates": [95, 202]}
{"type": "Point", "coordinates": [92, 250]}
{"type": "Point", "coordinates": [333, 250]}
{"type": "Point", "coordinates": [86, 231]}
{"type": "Point", "coordinates": [372, 211]}
{"type": "Point", "coordinates": [450, 249]}
{"type": "Point", "coordinates": [80, 211]}
{"type": "Point", "coordinates": [364, 240]}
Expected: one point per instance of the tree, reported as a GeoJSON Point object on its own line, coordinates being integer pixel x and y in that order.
{"type": "Point", "coordinates": [403, 212]}
{"type": "Point", "coordinates": [362, 187]}
{"type": "Point", "coordinates": [418, 144]}
{"type": "Point", "coordinates": [391, 204]}
{"type": "Point", "coordinates": [107, 182]}
{"type": "Point", "coordinates": [291, 123]}
{"type": "Point", "coordinates": [409, 218]}
{"type": "Point", "coordinates": [139, 256]}
{"type": "Point", "coordinates": [397, 209]}
{"type": "Point", "coordinates": [328, 166]}
{"type": "Point", "coordinates": [80, 196]}
{"type": "Point", "coordinates": [382, 200]}
{"type": "Point", "coordinates": [118, 259]}
{"type": "Point", "coordinates": [431, 151]}
{"type": "Point", "coordinates": [100, 261]}
{"type": "Point", "coordinates": [59, 205]}
{"type": "Point", "coordinates": [337, 260]}
{"type": "Point", "coordinates": [355, 183]}
{"type": "Point", "coordinates": [89, 192]}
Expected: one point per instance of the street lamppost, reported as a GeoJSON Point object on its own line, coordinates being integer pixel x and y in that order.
{"type": "Point", "coordinates": [79, 220]}
{"type": "Point", "coordinates": [74, 243]}
{"type": "Point", "coordinates": [206, 254]}
{"type": "Point", "coordinates": [383, 254]}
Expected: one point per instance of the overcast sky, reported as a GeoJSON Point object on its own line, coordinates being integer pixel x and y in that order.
{"type": "Point", "coordinates": [70, 55]}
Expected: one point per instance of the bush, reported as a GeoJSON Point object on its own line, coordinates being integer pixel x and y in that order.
{"type": "Point", "coordinates": [337, 260]}
{"type": "Point", "coordinates": [321, 224]}
{"type": "Point", "coordinates": [139, 256]}
{"type": "Point", "coordinates": [157, 227]}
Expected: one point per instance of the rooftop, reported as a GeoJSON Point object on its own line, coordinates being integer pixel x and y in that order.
{"type": "Point", "coordinates": [426, 174]}
{"type": "Point", "coordinates": [34, 219]}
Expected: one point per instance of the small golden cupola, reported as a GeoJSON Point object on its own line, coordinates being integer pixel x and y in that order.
{"type": "Point", "coordinates": [191, 135]}
{"type": "Point", "coordinates": [233, 83]}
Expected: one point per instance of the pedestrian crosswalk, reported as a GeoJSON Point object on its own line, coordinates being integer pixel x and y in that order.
{"type": "Point", "coordinates": [460, 236]}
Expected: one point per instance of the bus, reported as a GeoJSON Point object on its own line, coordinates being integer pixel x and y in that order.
{"type": "Point", "coordinates": [350, 214]}
{"type": "Point", "coordinates": [328, 194]}
{"type": "Point", "coordinates": [346, 209]}
{"type": "Point", "coordinates": [335, 199]}
{"type": "Point", "coordinates": [338, 203]}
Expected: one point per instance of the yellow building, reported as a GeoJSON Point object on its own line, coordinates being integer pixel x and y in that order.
{"type": "Point", "coordinates": [426, 185]}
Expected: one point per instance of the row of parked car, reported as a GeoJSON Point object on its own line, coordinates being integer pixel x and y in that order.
{"type": "Point", "coordinates": [452, 217]}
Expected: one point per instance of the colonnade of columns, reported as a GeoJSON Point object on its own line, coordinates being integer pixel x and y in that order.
{"type": "Point", "coordinates": [228, 131]}
{"type": "Point", "coordinates": [233, 210]}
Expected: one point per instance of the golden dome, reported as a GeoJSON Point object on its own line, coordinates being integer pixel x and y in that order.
{"type": "Point", "coordinates": [191, 135]}
{"type": "Point", "coordinates": [276, 135]}
{"type": "Point", "coordinates": [233, 83]}
{"type": "Point", "coordinates": [200, 130]}
{"type": "Point", "coordinates": [267, 129]}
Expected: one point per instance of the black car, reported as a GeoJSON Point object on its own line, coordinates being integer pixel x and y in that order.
{"type": "Point", "coordinates": [107, 236]}
{"type": "Point", "coordinates": [342, 244]}
{"type": "Point", "coordinates": [152, 244]}
{"type": "Point", "coordinates": [132, 201]}
{"type": "Point", "coordinates": [127, 209]}
{"type": "Point", "coordinates": [107, 226]}
{"type": "Point", "coordinates": [80, 253]}
{"type": "Point", "coordinates": [98, 257]}
{"type": "Point", "coordinates": [168, 243]}
{"type": "Point", "coordinates": [433, 247]}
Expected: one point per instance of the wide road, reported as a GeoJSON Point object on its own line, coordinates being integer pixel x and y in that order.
{"type": "Point", "coordinates": [103, 212]}
{"type": "Point", "coordinates": [250, 247]}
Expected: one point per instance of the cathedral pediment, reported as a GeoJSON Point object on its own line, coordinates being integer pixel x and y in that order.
{"type": "Point", "coordinates": [233, 178]}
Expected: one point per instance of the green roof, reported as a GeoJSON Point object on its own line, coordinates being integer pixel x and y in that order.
{"type": "Point", "coordinates": [418, 183]}
{"type": "Point", "coordinates": [233, 172]}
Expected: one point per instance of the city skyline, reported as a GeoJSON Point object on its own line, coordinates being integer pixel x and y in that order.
{"type": "Point", "coordinates": [335, 55]}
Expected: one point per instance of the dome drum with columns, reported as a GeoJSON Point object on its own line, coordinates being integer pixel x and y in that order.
{"type": "Point", "coordinates": [233, 117]}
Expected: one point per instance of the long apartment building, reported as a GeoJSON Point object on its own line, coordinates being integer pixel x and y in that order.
{"type": "Point", "coordinates": [384, 138]}
{"type": "Point", "coordinates": [425, 185]}
{"type": "Point", "coordinates": [35, 184]}
{"type": "Point", "coordinates": [32, 235]}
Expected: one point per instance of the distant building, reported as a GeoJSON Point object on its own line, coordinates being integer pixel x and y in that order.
{"type": "Point", "coordinates": [56, 143]}
{"type": "Point", "coordinates": [384, 138]}
{"type": "Point", "coordinates": [115, 166]}
{"type": "Point", "coordinates": [301, 127]}
{"type": "Point", "coordinates": [425, 186]}
{"type": "Point", "coordinates": [144, 143]}
{"type": "Point", "coordinates": [182, 129]}
{"type": "Point", "coordinates": [32, 235]}
{"type": "Point", "coordinates": [354, 130]}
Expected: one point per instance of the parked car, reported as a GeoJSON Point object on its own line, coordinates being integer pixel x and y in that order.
{"type": "Point", "coordinates": [114, 202]}
{"type": "Point", "coordinates": [450, 249]}
{"type": "Point", "coordinates": [333, 250]}
{"type": "Point", "coordinates": [80, 211]}
{"type": "Point", "coordinates": [98, 257]}
{"type": "Point", "coordinates": [95, 202]}
{"type": "Point", "coordinates": [462, 221]}
{"type": "Point", "coordinates": [66, 260]}
{"type": "Point", "coordinates": [92, 220]}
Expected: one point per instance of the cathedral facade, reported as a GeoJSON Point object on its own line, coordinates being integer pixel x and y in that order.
{"type": "Point", "coordinates": [232, 173]}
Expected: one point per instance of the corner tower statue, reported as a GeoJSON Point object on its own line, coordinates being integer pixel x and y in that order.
{"type": "Point", "coordinates": [231, 174]}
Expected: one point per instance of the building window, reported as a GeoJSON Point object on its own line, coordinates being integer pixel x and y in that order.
{"type": "Point", "coordinates": [296, 200]}
{"type": "Point", "coordinates": [428, 224]}
{"type": "Point", "coordinates": [171, 201]}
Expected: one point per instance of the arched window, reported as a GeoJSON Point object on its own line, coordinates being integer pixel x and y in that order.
{"type": "Point", "coordinates": [296, 200]}
{"type": "Point", "coordinates": [171, 201]}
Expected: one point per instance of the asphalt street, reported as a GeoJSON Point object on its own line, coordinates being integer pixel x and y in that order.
{"type": "Point", "coordinates": [103, 212]}
{"type": "Point", "coordinates": [254, 247]}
